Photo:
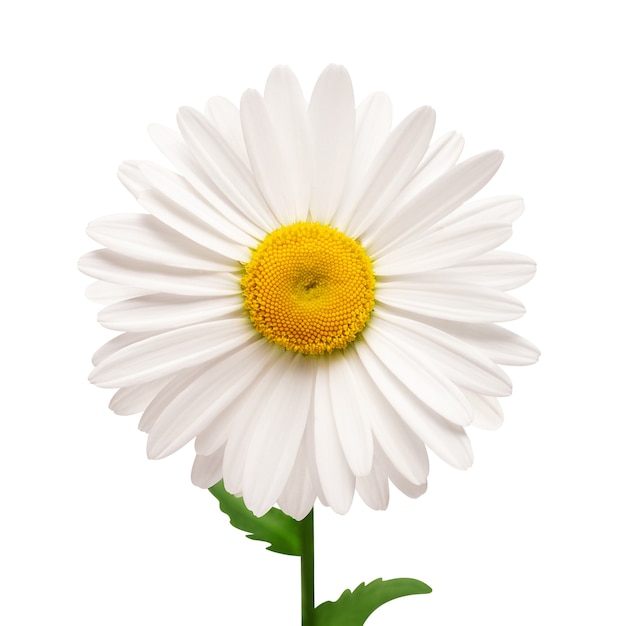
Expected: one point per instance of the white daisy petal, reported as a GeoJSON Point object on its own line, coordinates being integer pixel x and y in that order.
{"type": "Point", "coordinates": [222, 164]}
{"type": "Point", "coordinates": [495, 269]}
{"type": "Point", "coordinates": [428, 384]}
{"type": "Point", "coordinates": [174, 148]}
{"type": "Point", "coordinates": [312, 296]}
{"type": "Point", "coordinates": [298, 496]}
{"type": "Point", "coordinates": [392, 168]}
{"type": "Point", "coordinates": [224, 116]}
{"type": "Point", "coordinates": [451, 301]}
{"type": "Point", "coordinates": [217, 433]}
{"type": "Point", "coordinates": [161, 311]}
{"type": "Point", "coordinates": [391, 434]}
{"type": "Point", "coordinates": [166, 353]}
{"type": "Point", "coordinates": [442, 248]}
{"type": "Point", "coordinates": [374, 488]}
{"type": "Point", "coordinates": [252, 380]}
{"type": "Point", "coordinates": [309, 445]}
{"type": "Point", "coordinates": [178, 218]}
{"type": "Point", "coordinates": [249, 412]}
{"type": "Point", "coordinates": [220, 429]}
{"type": "Point", "coordinates": [406, 451]}
{"type": "Point", "coordinates": [440, 157]}
{"type": "Point", "coordinates": [487, 411]}
{"type": "Point", "coordinates": [190, 226]}
{"type": "Point", "coordinates": [178, 383]}
{"type": "Point", "coordinates": [135, 399]}
{"type": "Point", "coordinates": [498, 344]}
{"type": "Point", "coordinates": [332, 116]}
{"type": "Point", "coordinates": [445, 439]}
{"type": "Point", "coordinates": [408, 488]}
{"type": "Point", "coordinates": [352, 425]}
{"type": "Point", "coordinates": [272, 169]}
{"type": "Point", "coordinates": [336, 479]}
{"type": "Point", "coordinates": [145, 238]}
{"type": "Point", "coordinates": [373, 123]}
{"type": "Point", "coordinates": [277, 436]}
{"type": "Point", "coordinates": [131, 177]}
{"type": "Point", "coordinates": [467, 366]}
{"type": "Point", "coordinates": [502, 209]}
{"type": "Point", "coordinates": [117, 343]}
{"type": "Point", "coordinates": [236, 451]}
{"type": "Point", "coordinates": [434, 202]}
{"type": "Point", "coordinates": [104, 292]}
{"type": "Point", "coordinates": [116, 268]}
{"type": "Point", "coordinates": [178, 191]}
{"type": "Point", "coordinates": [184, 413]}
{"type": "Point", "coordinates": [207, 470]}
{"type": "Point", "coordinates": [287, 109]}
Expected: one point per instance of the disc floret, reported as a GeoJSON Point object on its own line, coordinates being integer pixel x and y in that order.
{"type": "Point", "coordinates": [309, 288]}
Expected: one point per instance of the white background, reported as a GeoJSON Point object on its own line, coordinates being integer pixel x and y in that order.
{"type": "Point", "coordinates": [93, 533]}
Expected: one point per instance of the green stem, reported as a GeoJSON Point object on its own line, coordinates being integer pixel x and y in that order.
{"type": "Point", "coordinates": [307, 571]}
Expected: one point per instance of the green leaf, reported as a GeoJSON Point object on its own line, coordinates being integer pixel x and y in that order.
{"type": "Point", "coordinates": [277, 528]}
{"type": "Point", "coordinates": [354, 607]}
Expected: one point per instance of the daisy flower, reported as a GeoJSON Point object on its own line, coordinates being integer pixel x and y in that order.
{"type": "Point", "coordinates": [310, 296]}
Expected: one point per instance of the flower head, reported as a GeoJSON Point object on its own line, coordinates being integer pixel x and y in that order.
{"type": "Point", "coordinates": [311, 297]}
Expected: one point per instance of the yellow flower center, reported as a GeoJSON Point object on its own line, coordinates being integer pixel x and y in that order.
{"type": "Point", "coordinates": [309, 288]}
